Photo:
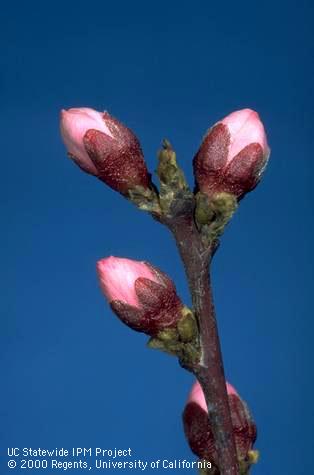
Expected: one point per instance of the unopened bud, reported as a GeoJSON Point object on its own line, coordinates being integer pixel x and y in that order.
{"type": "Point", "coordinates": [104, 147]}
{"type": "Point", "coordinates": [233, 155]}
{"type": "Point", "coordinates": [199, 433]}
{"type": "Point", "coordinates": [142, 296]}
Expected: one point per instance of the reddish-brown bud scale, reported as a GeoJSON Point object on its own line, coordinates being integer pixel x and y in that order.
{"type": "Point", "coordinates": [243, 426]}
{"type": "Point", "coordinates": [119, 161]}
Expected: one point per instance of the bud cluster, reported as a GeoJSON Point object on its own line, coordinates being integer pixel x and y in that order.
{"type": "Point", "coordinates": [228, 164]}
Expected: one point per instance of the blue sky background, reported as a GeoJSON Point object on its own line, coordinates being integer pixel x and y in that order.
{"type": "Point", "coordinates": [72, 374]}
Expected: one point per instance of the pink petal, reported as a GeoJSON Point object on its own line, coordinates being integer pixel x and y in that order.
{"type": "Point", "coordinates": [117, 278]}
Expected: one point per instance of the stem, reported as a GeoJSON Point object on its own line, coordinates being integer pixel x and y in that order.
{"type": "Point", "coordinates": [209, 371]}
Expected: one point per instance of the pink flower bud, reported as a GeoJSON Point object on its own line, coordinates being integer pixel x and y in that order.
{"type": "Point", "coordinates": [104, 147]}
{"type": "Point", "coordinates": [198, 431]}
{"type": "Point", "coordinates": [142, 296]}
{"type": "Point", "coordinates": [233, 155]}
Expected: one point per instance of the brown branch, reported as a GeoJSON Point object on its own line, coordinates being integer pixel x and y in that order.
{"type": "Point", "coordinates": [196, 257]}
